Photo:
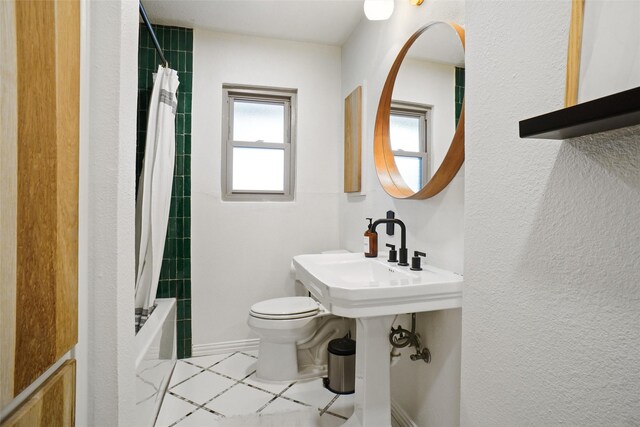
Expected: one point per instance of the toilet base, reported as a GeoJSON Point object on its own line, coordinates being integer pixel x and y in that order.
{"type": "Point", "coordinates": [277, 362]}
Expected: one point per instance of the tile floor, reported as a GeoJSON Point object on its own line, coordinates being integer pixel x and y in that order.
{"type": "Point", "coordinates": [216, 390]}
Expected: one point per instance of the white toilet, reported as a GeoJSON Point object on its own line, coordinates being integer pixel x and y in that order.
{"type": "Point", "coordinates": [294, 332]}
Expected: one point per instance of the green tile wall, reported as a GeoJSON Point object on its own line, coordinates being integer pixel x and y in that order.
{"type": "Point", "coordinates": [459, 92]}
{"type": "Point", "coordinates": [175, 276]}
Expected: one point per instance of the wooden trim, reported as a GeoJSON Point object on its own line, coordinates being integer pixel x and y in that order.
{"type": "Point", "coordinates": [8, 197]}
{"type": "Point", "coordinates": [573, 53]}
{"type": "Point", "coordinates": [353, 141]}
{"type": "Point", "coordinates": [67, 173]}
{"type": "Point", "coordinates": [52, 404]}
{"type": "Point", "coordinates": [388, 174]}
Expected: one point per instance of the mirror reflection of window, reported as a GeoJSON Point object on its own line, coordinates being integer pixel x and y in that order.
{"type": "Point", "coordinates": [409, 129]}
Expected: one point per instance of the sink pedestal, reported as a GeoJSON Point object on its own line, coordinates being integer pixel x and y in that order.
{"type": "Point", "coordinates": [373, 394]}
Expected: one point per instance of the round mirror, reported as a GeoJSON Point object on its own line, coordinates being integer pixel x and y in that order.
{"type": "Point", "coordinates": [419, 130]}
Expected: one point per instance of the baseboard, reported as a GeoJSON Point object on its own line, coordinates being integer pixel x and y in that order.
{"type": "Point", "coordinates": [400, 415]}
{"type": "Point", "coordinates": [224, 347]}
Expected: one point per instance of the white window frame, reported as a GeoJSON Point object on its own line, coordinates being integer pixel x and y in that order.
{"type": "Point", "coordinates": [424, 113]}
{"type": "Point", "coordinates": [286, 97]}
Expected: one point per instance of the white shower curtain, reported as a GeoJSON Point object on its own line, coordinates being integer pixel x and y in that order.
{"type": "Point", "coordinates": [154, 190]}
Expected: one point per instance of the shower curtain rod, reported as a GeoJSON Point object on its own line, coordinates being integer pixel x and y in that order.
{"type": "Point", "coordinates": [145, 18]}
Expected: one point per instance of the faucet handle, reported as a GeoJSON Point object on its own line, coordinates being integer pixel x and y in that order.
{"type": "Point", "coordinates": [415, 260]}
{"type": "Point", "coordinates": [393, 254]}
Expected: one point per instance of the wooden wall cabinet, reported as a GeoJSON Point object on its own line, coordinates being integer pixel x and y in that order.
{"type": "Point", "coordinates": [39, 96]}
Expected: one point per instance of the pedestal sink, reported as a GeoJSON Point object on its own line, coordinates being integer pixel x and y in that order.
{"type": "Point", "coordinates": [372, 291]}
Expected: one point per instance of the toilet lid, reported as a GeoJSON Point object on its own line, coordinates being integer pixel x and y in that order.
{"type": "Point", "coordinates": [285, 308]}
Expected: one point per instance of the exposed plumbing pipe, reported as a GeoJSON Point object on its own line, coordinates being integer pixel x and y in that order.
{"type": "Point", "coordinates": [323, 332]}
{"type": "Point", "coordinates": [400, 338]}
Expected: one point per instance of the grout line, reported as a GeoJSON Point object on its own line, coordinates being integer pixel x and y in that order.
{"type": "Point", "coordinates": [266, 404]}
{"type": "Point", "coordinates": [197, 406]}
{"type": "Point", "coordinates": [323, 410]}
{"type": "Point", "coordinates": [247, 354]}
{"type": "Point", "coordinates": [337, 415]}
{"type": "Point", "coordinates": [198, 366]}
{"type": "Point", "coordinates": [187, 379]}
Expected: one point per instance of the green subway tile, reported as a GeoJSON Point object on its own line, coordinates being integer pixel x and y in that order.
{"type": "Point", "coordinates": [187, 309]}
{"type": "Point", "coordinates": [180, 353]}
{"type": "Point", "coordinates": [187, 348]}
{"type": "Point", "coordinates": [188, 66]}
{"type": "Point", "coordinates": [181, 310]}
{"type": "Point", "coordinates": [180, 186]}
{"type": "Point", "coordinates": [187, 288]}
{"type": "Point", "coordinates": [180, 123]}
{"type": "Point", "coordinates": [183, 60]}
{"type": "Point", "coordinates": [180, 269]}
{"type": "Point", "coordinates": [187, 102]}
{"type": "Point", "coordinates": [188, 78]}
{"type": "Point", "coordinates": [187, 329]}
{"type": "Point", "coordinates": [172, 224]}
{"type": "Point", "coordinates": [173, 268]}
{"type": "Point", "coordinates": [180, 208]}
{"type": "Point", "coordinates": [142, 78]}
{"type": "Point", "coordinates": [180, 329]}
{"type": "Point", "coordinates": [187, 210]}
{"type": "Point", "coordinates": [187, 249]}
{"type": "Point", "coordinates": [187, 123]}
{"type": "Point", "coordinates": [189, 41]}
{"type": "Point", "coordinates": [187, 269]}
{"type": "Point", "coordinates": [174, 39]}
{"type": "Point", "coordinates": [179, 168]}
{"type": "Point", "coordinates": [180, 226]}
{"type": "Point", "coordinates": [182, 39]}
{"type": "Point", "coordinates": [187, 144]}
{"type": "Point", "coordinates": [187, 172]}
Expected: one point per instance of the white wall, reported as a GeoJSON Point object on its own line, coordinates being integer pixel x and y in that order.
{"type": "Point", "coordinates": [429, 393]}
{"type": "Point", "coordinates": [431, 83]}
{"type": "Point", "coordinates": [106, 348]}
{"type": "Point", "coordinates": [241, 251]}
{"type": "Point", "coordinates": [551, 329]}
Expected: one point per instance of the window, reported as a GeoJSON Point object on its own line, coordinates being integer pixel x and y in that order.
{"type": "Point", "coordinates": [409, 129]}
{"type": "Point", "coordinates": [258, 131]}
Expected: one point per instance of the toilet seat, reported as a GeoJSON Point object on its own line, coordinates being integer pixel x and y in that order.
{"type": "Point", "coordinates": [285, 308]}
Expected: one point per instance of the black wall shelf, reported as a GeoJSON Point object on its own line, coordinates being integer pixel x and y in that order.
{"type": "Point", "coordinates": [615, 111]}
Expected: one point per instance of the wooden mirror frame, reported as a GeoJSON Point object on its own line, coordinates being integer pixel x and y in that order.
{"type": "Point", "coordinates": [386, 168]}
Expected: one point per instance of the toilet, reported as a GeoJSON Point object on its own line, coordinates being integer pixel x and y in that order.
{"type": "Point", "coordinates": [293, 332]}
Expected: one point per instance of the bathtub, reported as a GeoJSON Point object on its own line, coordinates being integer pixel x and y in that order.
{"type": "Point", "coordinates": [155, 359]}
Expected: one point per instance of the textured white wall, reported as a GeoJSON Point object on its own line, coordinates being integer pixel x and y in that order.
{"type": "Point", "coordinates": [106, 347]}
{"type": "Point", "coordinates": [241, 251]}
{"type": "Point", "coordinates": [551, 326]}
{"type": "Point", "coordinates": [429, 393]}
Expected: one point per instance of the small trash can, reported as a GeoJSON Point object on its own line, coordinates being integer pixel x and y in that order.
{"type": "Point", "coordinates": [341, 375]}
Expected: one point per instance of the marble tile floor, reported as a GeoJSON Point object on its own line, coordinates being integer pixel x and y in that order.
{"type": "Point", "coordinates": [221, 390]}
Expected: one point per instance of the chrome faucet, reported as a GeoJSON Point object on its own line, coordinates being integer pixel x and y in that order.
{"type": "Point", "coordinates": [402, 252]}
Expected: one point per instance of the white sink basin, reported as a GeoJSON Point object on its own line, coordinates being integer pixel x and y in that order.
{"type": "Point", "coordinates": [352, 285]}
{"type": "Point", "coordinates": [372, 291]}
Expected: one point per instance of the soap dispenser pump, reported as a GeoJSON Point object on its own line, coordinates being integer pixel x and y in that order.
{"type": "Point", "coordinates": [370, 241]}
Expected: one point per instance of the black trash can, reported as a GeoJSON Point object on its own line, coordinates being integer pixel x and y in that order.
{"type": "Point", "coordinates": [341, 375]}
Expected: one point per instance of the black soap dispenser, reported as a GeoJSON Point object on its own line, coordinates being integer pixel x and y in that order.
{"type": "Point", "coordinates": [370, 241]}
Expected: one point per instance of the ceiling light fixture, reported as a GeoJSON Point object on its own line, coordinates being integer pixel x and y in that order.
{"type": "Point", "coordinates": [378, 10]}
